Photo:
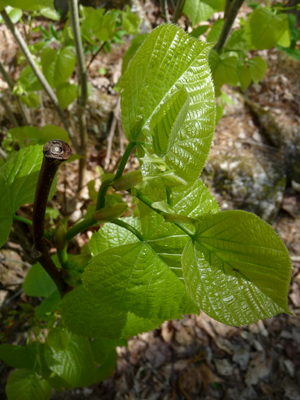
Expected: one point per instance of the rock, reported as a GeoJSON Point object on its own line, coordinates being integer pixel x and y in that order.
{"type": "Point", "coordinates": [241, 357]}
{"type": "Point", "coordinates": [245, 184]}
{"type": "Point", "coordinates": [292, 156]}
{"type": "Point", "coordinates": [223, 367]}
{"type": "Point", "coordinates": [267, 124]}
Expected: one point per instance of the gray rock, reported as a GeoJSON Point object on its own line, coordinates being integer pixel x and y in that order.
{"type": "Point", "coordinates": [244, 183]}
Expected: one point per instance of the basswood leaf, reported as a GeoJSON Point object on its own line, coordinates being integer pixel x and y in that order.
{"type": "Point", "coordinates": [167, 61]}
{"type": "Point", "coordinates": [19, 356]}
{"type": "Point", "coordinates": [57, 65]}
{"type": "Point", "coordinates": [199, 30]}
{"type": "Point", "coordinates": [130, 21]}
{"type": "Point", "coordinates": [39, 136]}
{"type": "Point", "coordinates": [236, 268]}
{"type": "Point", "coordinates": [75, 362]}
{"type": "Point", "coordinates": [66, 94]}
{"type": "Point", "coordinates": [111, 235]}
{"type": "Point", "coordinates": [244, 76]}
{"type": "Point", "coordinates": [24, 384]}
{"type": "Point", "coordinates": [38, 283]}
{"type": "Point", "coordinates": [135, 44]}
{"type": "Point", "coordinates": [85, 315]}
{"type": "Point", "coordinates": [31, 100]}
{"type": "Point", "coordinates": [18, 179]}
{"type": "Point", "coordinates": [264, 28]}
{"type": "Point", "coordinates": [166, 239]}
{"type": "Point", "coordinates": [168, 121]}
{"type": "Point", "coordinates": [258, 67]}
{"type": "Point", "coordinates": [134, 278]}
{"type": "Point", "coordinates": [201, 10]}
{"type": "Point", "coordinates": [215, 32]}
{"type": "Point", "coordinates": [135, 325]}
{"type": "Point", "coordinates": [238, 41]}
{"type": "Point", "coordinates": [48, 305]}
{"type": "Point", "coordinates": [29, 5]}
{"type": "Point", "coordinates": [224, 70]}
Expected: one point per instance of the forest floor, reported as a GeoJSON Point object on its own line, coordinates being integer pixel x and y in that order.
{"type": "Point", "coordinates": [196, 357]}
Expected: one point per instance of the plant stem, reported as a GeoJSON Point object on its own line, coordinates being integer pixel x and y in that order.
{"type": "Point", "coordinates": [229, 20]}
{"type": "Point", "coordinates": [129, 228]}
{"type": "Point", "coordinates": [40, 76]}
{"type": "Point", "coordinates": [3, 154]}
{"type": "Point", "coordinates": [9, 112]}
{"type": "Point", "coordinates": [88, 222]}
{"type": "Point", "coordinates": [22, 107]}
{"type": "Point", "coordinates": [95, 55]}
{"type": "Point", "coordinates": [177, 11]}
{"type": "Point", "coordinates": [164, 10]}
{"type": "Point", "coordinates": [105, 185]}
{"type": "Point", "coordinates": [63, 257]}
{"type": "Point", "coordinates": [28, 222]}
{"type": "Point", "coordinates": [81, 103]}
{"type": "Point", "coordinates": [146, 200]}
{"type": "Point", "coordinates": [55, 152]}
{"type": "Point", "coordinates": [227, 7]}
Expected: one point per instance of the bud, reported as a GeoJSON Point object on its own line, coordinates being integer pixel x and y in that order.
{"type": "Point", "coordinates": [128, 180]}
{"type": "Point", "coordinates": [59, 236]}
{"type": "Point", "coordinates": [110, 213]}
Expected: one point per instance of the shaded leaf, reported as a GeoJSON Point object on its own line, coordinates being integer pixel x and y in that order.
{"type": "Point", "coordinates": [24, 384]}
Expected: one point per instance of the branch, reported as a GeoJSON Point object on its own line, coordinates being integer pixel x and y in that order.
{"type": "Point", "coordinates": [9, 112]}
{"type": "Point", "coordinates": [95, 55]}
{"type": "Point", "coordinates": [40, 76]}
{"type": "Point", "coordinates": [55, 152]}
{"type": "Point", "coordinates": [9, 81]}
{"type": "Point", "coordinates": [229, 20]}
{"type": "Point", "coordinates": [177, 11]}
{"type": "Point", "coordinates": [81, 103]}
{"type": "Point", "coordinates": [3, 154]}
{"type": "Point", "coordinates": [164, 10]}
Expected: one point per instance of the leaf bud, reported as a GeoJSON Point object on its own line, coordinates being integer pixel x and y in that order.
{"type": "Point", "coordinates": [59, 236]}
{"type": "Point", "coordinates": [128, 180]}
{"type": "Point", "coordinates": [110, 213]}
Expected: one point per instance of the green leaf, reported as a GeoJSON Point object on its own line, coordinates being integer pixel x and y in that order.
{"type": "Point", "coordinates": [74, 362]}
{"type": "Point", "coordinates": [201, 10]}
{"type": "Point", "coordinates": [135, 44]}
{"type": "Point", "coordinates": [14, 14]}
{"type": "Point", "coordinates": [111, 235]}
{"type": "Point", "coordinates": [57, 65]}
{"type": "Point", "coordinates": [28, 80]}
{"type": "Point", "coordinates": [85, 315]}
{"type": "Point", "coordinates": [48, 305]}
{"type": "Point", "coordinates": [238, 41]}
{"type": "Point", "coordinates": [18, 179]}
{"type": "Point", "coordinates": [38, 283]}
{"type": "Point", "coordinates": [31, 100]}
{"type": "Point", "coordinates": [199, 31]}
{"type": "Point", "coordinates": [166, 61]}
{"type": "Point", "coordinates": [66, 94]}
{"type": "Point", "coordinates": [29, 5]}
{"type": "Point", "coordinates": [135, 325]}
{"type": "Point", "coordinates": [215, 32]}
{"type": "Point", "coordinates": [58, 339]}
{"type": "Point", "coordinates": [130, 21]}
{"type": "Point", "coordinates": [24, 384]}
{"type": "Point", "coordinates": [237, 269]}
{"type": "Point", "coordinates": [264, 28]}
{"type": "Point", "coordinates": [258, 67]}
{"type": "Point", "coordinates": [224, 70]}
{"type": "Point", "coordinates": [36, 136]}
{"type": "Point", "coordinates": [169, 120]}
{"type": "Point", "coordinates": [166, 239]}
{"type": "Point", "coordinates": [134, 278]}
{"type": "Point", "coordinates": [103, 26]}
{"type": "Point", "coordinates": [19, 356]}
{"type": "Point", "coordinates": [245, 77]}
{"type": "Point", "coordinates": [50, 13]}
